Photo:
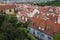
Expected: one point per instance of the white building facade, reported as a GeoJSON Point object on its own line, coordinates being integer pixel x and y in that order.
{"type": "Point", "coordinates": [39, 35]}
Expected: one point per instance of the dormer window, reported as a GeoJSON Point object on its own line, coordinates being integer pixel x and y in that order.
{"type": "Point", "coordinates": [50, 10]}
{"type": "Point", "coordinates": [41, 28]}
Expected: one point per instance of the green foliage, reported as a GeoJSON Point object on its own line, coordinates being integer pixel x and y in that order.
{"type": "Point", "coordinates": [1, 19]}
{"type": "Point", "coordinates": [26, 24]}
{"type": "Point", "coordinates": [24, 30]}
{"type": "Point", "coordinates": [57, 36]}
{"type": "Point", "coordinates": [50, 3]}
{"type": "Point", "coordinates": [11, 29]}
{"type": "Point", "coordinates": [31, 37]}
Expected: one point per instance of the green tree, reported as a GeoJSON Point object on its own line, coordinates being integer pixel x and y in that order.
{"type": "Point", "coordinates": [57, 36]}
{"type": "Point", "coordinates": [12, 29]}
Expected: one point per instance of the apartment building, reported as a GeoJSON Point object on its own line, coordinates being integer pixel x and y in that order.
{"type": "Point", "coordinates": [7, 8]}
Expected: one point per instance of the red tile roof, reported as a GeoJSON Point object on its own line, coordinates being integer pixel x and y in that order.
{"type": "Point", "coordinates": [7, 6]}
{"type": "Point", "coordinates": [37, 22]}
{"type": "Point", "coordinates": [43, 24]}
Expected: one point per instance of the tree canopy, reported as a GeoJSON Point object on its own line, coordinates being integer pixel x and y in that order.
{"type": "Point", "coordinates": [50, 3]}
{"type": "Point", "coordinates": [12, 29]}
{"type": "Point", "coordinates": [57, 36]}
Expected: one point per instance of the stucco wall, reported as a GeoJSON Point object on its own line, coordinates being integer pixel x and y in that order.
{"type": "Point", "coordinates": [8, 12]}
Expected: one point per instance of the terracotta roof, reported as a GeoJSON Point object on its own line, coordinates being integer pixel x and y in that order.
{"type": "Point", "coordinates": [7, 6]}
{"type": "Point", "coordinates": [36, 23]}
{"type": "Point", "coordinates": [57, 9]}
{"type": "Point", "coordinates": [43, 20]}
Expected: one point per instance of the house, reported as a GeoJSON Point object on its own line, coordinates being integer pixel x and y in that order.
{"type": "Point", "coordinates": [45, 27]}
{"type": "Point", "coordinates": [25, 12]}
{"type": "Point", "coordinates": [7, 8]}
{"type": "Point", "coordinates": [44, 21]}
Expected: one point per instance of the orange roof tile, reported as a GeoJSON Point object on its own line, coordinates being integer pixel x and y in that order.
{"type": "Point", "coordinates": [7, 6]}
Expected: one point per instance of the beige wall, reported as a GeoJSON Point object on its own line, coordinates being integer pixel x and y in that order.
{"type": "Point", "coordinates": [8, 11]}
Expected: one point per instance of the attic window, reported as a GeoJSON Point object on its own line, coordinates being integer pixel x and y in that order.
{"type": "Point", "coordinates": [42, 35]}
{"type": "Point", "coordinates": [50, 10]}
{"type": "Point", "coordinates": [38, 33]}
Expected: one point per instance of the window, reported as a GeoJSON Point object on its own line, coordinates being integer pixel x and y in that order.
{"type": "Point", "coordinates": [1, 11]}
{"type": "Point", "coordinates": [49, 38]}
{"type": "Point", "coordinates": [10, 10]}
{"type": "Point", "coordinates": [42, 35]}
{"type": "Point", "coordinates": [38, 33]}
{"type": "Point", "coordinates": [33, 31]}
{"type": "Point", "coordinates": [50, 10]}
